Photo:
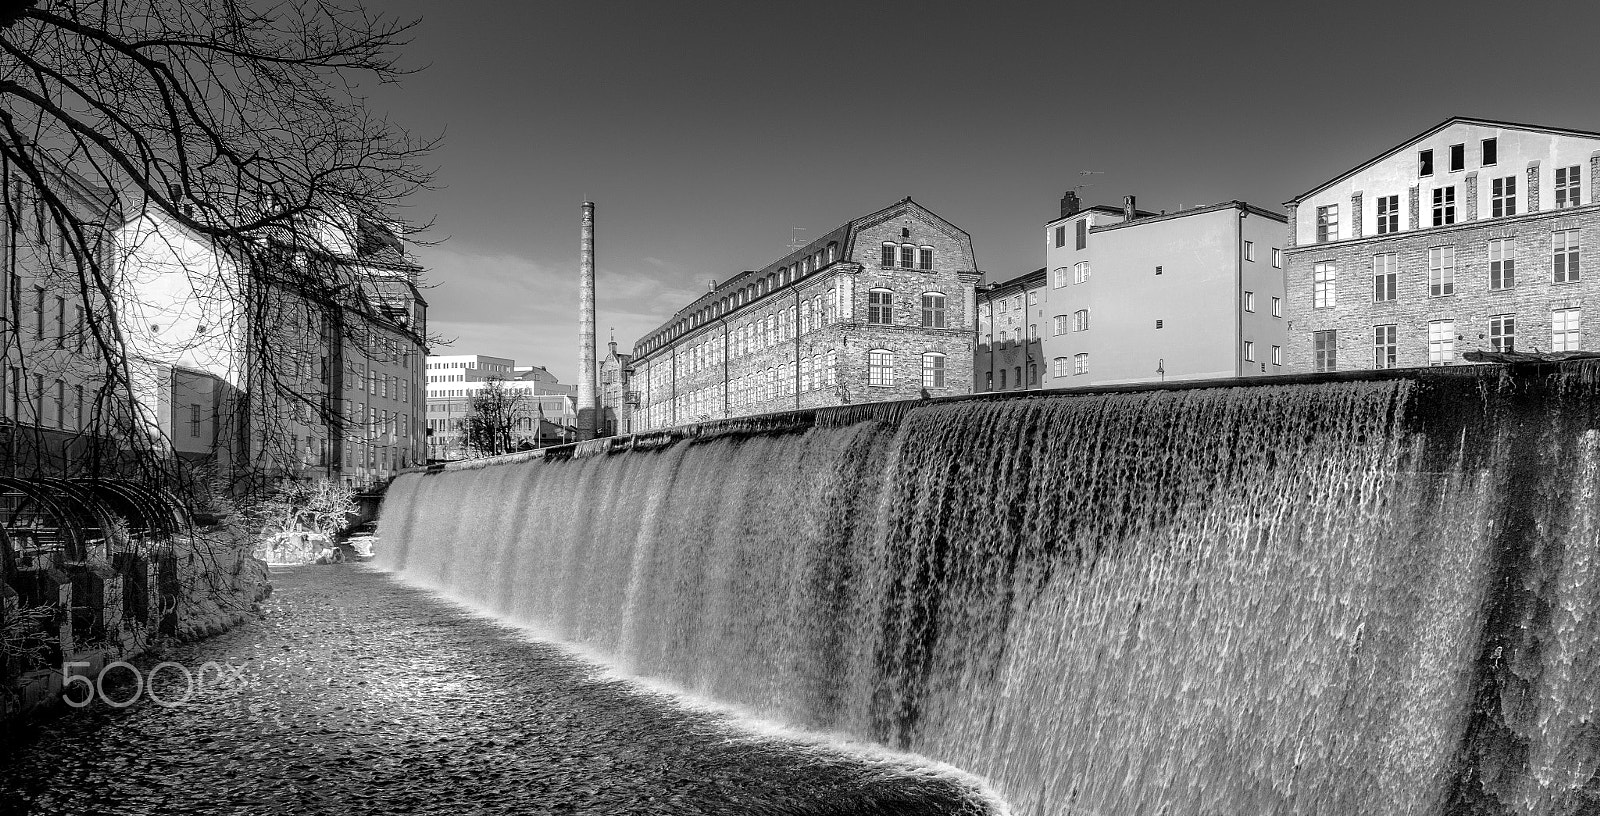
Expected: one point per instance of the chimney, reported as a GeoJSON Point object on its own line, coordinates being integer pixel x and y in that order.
{"type": "Point", "coordinates": [1070, 204]}
{"type": "Point", "coordinates": [1128, 211]}
{"type": "Point", "coordinates": [588, 403]}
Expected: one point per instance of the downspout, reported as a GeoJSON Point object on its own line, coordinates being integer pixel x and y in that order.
{"type": "Point", "coordinates": [794, 326]}
{"type": "Point", "coordinates": [1238, 293]}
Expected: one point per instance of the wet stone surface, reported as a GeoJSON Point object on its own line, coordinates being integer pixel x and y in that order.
{"type": "Point", "coordinates": [355, 694]}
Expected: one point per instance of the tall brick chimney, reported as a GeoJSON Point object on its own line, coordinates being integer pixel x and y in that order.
{"type": "Point", "coordinates": [1070, 204]}
{"type": "Point", "coordinates": [1129, 212]}
{"type": "Point", "coordinates": [588, 400]}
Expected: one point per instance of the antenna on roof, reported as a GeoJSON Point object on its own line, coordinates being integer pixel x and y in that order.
{"type": "Point", "coordinates": [795, 242]}
{"type": "Point", "coordinates": [1091, 172]}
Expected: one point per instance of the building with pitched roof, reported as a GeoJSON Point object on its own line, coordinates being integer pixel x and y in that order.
{"type": "Point", "coordinates": [1468, 236]}
{"type": "Point", "coordinates": [880, 308]}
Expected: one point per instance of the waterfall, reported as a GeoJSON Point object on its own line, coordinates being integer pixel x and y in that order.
{"type": "Point", "coordinates": [1375, 596]}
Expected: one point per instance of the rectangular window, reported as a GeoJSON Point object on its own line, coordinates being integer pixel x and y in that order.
{"type": "Point", "coordinates": [1325, 350]}
{"type": "Point", "coordinates": [38, 313]}
{"type": "Point", "coordinates": [78, 393]}
{"type": "Point", "coordinates": [1441, 271]}
{"type": "Point", "coordinates": [1060, 324]}
{"type": "Point", "coordinates": [1277, 307]}
{"type": "Point", "coordinates": [1503, 197]}
{"type": "Point", "coordinates": [1458, 157]}
{"type": "Point", "coordinates": [1383, 277]}
{"type": "Point", "coordinates": [1059, 367]}
{"type": "Point", "coordinates": [880, 307]}
{"type": "Point", "coordinates": [1328, 223]}
{"type": "Point", "coordinates": [880, 368]}
{"type": "Point", "coordinates": [908, 256]}
{"type": "Point", "coordinates": [1441, 342]}
{"type": "Point", "coordinates": [1061, 236]}
{"type": "Point", "coordinates": [1277, 258]}
{"type": "Point", "coordinates": [1503, 332]}
{"type": "Point", "coordinates": [1384, 346]}
{"type": "Point", "coordinates": [61, 404]}
{"type": "Point", "coordinates": [61, 322]}
{"type": "Point", "coordinates": [1564, 256]}
{"type": "Point", "coordinates": [1249, 250]}
{"type": "Point", "coordinates": [925, 258]}
{"type": "Point", "coordinates": [1249, 301]}
{"type": "Point", "coordinates": [1083, 233]}
{"type": "Point", "coordinates": [1502, 263]}
{"type": "Point", "coordinates": [1491, 151]}
{"type": "Point", "coordinates": [1080, 364]}
{"type": "Point", "coordinates": [1277, 355]}
{"type": "Point", "coordinates": [1444, 206]}
{"type": "Point", "coordinates": [1080, 272]}
{"type": "Point", "coordinates": [888, 255]}
{"type": "Point", "coordinates": [78, 327]}
{"type": "Point", "coordinates": [1566, 329]}
{"type": "Point", "coordinates": [1388, 214]}
{"type": "Point", "coordinates": [1324, 280]}
{"type": "Point", "coordinates": [194, 420]}
{"type": "Point", "coordinates": [1567, 187]}
{"type": "Point", "coordinates": [1425, 163]}
{"type": "Point", "coordinates": [1249, 351]}
{"type": "Point", "coordinates": [933, 311]}
{"type": "Point", "coordinates": [933, 370]}
{"type": "Point", "coordinates": [1059, 277]}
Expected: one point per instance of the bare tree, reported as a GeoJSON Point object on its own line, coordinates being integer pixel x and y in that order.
{"type": "Point", "coordinates": [493, 421]}
{"type": "Point", "coordinates": [241, 128]}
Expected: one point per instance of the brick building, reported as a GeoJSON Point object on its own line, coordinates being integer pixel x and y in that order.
{"type": "Point", "coordinates": [617, 397]}
{"type": "Point", "coordinates": [1131, 296]}
{"type": "Point", "coordinates": [1468, 236]}
{"type": "Point", "coordinates": [880, 308]}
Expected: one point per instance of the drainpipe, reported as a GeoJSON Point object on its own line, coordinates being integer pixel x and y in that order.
{"type": "Point", "coordinates": [795, 327]}
{"type": "Point", "coordinates": [1238, 292]}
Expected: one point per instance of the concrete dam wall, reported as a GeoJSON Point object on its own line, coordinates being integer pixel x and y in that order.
{"type": "Point", "coordinates": [1369, 594]}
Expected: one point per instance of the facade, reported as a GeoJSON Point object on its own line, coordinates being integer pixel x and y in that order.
{"type": "Point", "coordinates": [616, 395]}
{"type": "Point", "coordinates": [544, 411]}
{"type": "Point", "coordinates": [1469, 236]}
{"type": "Point", "coordinates": [880, 308]}
{"type": "Point", "coordinates": [1131, 296]}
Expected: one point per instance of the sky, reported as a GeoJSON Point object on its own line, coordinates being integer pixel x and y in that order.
{"type": "Point", "coordinates": [711, 135]}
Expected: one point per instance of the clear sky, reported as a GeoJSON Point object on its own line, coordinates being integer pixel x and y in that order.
{"type": "Point", "coordinates": [711, 134]}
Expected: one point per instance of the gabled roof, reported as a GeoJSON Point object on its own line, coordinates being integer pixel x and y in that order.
{"type": "Point", "coordinates": [1454, 120]}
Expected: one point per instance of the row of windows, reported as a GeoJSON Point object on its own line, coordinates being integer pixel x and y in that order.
{"type": "Point", "coordinates": [1082, 226]}
{"type": "Point", "coordinates": [881, 372]}
{"type": "Point", "coordinates": [54, 307]}
{"type": "Point", "coordinates": [32, 404]}
{"type": "Point", "coordinates": [379, 384]}
{"type": "Point", "coordinates": [1566, 334]}
{"type": "Point", "coordinates": [880, 309]}
{"type": "Point", "coordinates": [1502, 203]}
{"type": "Point", "coordinates": [906, 256]}
{"type": "Point", "coordinates": [1565, 267]}
{"type": "Point", "coordinates": [772, 282]}
{"type": "Point", "coordinates": [377, 421]}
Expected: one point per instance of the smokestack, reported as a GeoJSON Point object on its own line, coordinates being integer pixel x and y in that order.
{"type": "Point", "coordinates": [1128, 211]}
{"type": "Point", "coordinates": [588, 403]}
{"type": "Point", "coordinates": [1070, 204]}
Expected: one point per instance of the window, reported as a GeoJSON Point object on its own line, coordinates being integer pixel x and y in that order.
{"type": "Point", "coordinates": [1277, 355]}
{"type": "Point", "coordinates": [61, 404]}
{"type": "Point", "coordinates": [1328, 223]}
{"type": "Point", "coordinates": [1059, 367]}
{"type": "Point", "coordinates": [880, 368]}
{"type": "Point", "coordinates": [1441, 271]}
{"type": "Point", "coordinates": [1384, 345]}
{"type": "Point", "coordinates": [1060, 324]}
{"type": "Point", "coordinates": [932, 370]}
{"type": "Point", "coordinates": [1503, 332]}
{"type": "Point", "coordinates": [194, 420]}
{"type": "Point", "coordinates": [1441, 342]}
{"type": "Point", "coordinates": [1325, 350]}
{"type": "Point", "coordinates": [1249, 351]}
{"type": "Point", "coordinates": [1425, 163]}
{"type": "Point", "coordinates": [925, 258]}
{"type": "Point", "coordinates": [1458, 157]}
{"type": "Point", "coordinates": [1277, 258]}
{"type": "Point", "coordinates": [1080, 364]}
{"type": "Point", "coordinates": [1249, 301]}
{"type": "Point", "coordinates": [1567, 186]}
{"type": "Point", "coordinates": [1080, 320]}
{"type": "Point", "coordinates": [1249, 250]}
{"type": "Point", "coordinates": [1503, 197]}
{"type": "Point", "coordinates": [1383, 277]}
{"type": "Point", "coordinates": [38, 313]}
{"type": "Point", "coordinates": [880, 307]}
{"type": "Point", "coordinates": [1490, 152]}
{"type": "Point", "coordinates": [78, 393]}
{"type": "Point", "coordinates": [1502, 263]}
{"type": "Point", "coordinates": [1566, 330]}
{"type": "Point", "coordinates": [1061, 236]}
{"type": "Point", "coordinates": [1080, 272]}
{"type": "Point", "coordinates": [1324, 280]}
{"type": "Point", "coordinates": [1564, 255]}
{"type": "Point", "coordinates": [1033, 331]}
{"type": "Point", "coordinates": [1158, 269]}
{"type": "Point", "coordinates": [988, 380]}
{"type": "Point", "coordinates": [908, 256]}
{"type": "Point", "coordinates": [1033, 298]}
{"type": "Point", "coordinates": [61, 322]}
{"type": "Point", "coordinates": [1160, 323]}
{"type": "Point", "coordinates": [888, 255]}
{"type": "Point", "coordinates": [1002, 379]}
{"type": "Point", "coordinates": [1059, 277]}
{"type": "Point", "coordinates": [1388, 214]}
{"type": "Point", "coordinates": [78, 327]}
{"type": "Point", "coordinates": [1083, 233]}
{"type": "Point", "coordinates": [1444, 206]}
{"type": "Point", "coordinates": [1277, 307]}
{"type": "Point", "coordinates": [933, 310]}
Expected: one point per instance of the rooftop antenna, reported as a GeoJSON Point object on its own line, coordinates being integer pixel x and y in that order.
{"type": "Point", "coordinates": [794, 241]}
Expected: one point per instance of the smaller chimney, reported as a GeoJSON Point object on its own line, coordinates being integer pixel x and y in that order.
{"type": "Point", "coordinates": [1070, 204]}
{"type": "Point", "coordinates": [1128, 210]}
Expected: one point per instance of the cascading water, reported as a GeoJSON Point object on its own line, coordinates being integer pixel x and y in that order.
{"type": "Point", "coordinates": [1372, 597]}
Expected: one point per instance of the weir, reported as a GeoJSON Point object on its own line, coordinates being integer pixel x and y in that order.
{"type": "Point", "coordinates": [1371, 594]}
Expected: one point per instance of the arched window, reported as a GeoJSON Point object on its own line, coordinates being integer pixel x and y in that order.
{"type": "Point", "coordinates": [933, 310]}
{"type": "Point", "coordinates": [1080, 363]}
{"type": "Point", "coordinates": [888, 254]}
{"type": "Point", "coordinates": [880, 307]}
{"type": "Point", "coordinates": [1059, 325]}
{"type": "Point", "coordinates": [925, 258]}
{"type": "Point", "coordinates": [1060, 367]}
{"type": "Point", "coordinates": [880, 368]}
{"type": "Point", "coordinates": [1080, 272]}
{"type": "Point", "coordinates": [908, 256]}
{"type": "Point", "coordinates": [933, 370]}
